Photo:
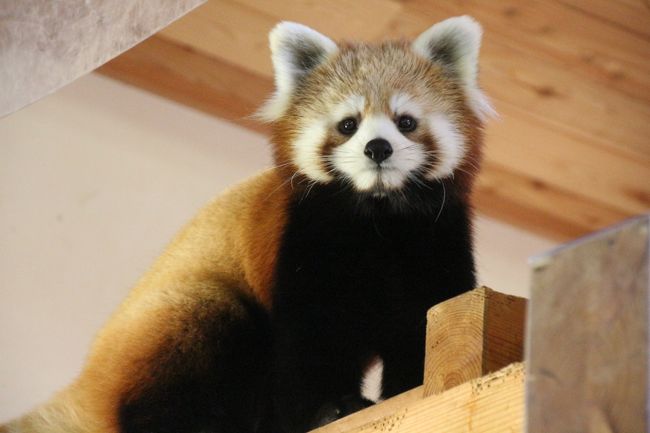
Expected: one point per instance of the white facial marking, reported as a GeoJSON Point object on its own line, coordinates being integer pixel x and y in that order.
{"type": "Point", "coordinates": [371, 383]}
{"type": "Point", "coordinates": [349, 158]}
{"type": "Point", "coordinates": [451, 145]}
{"type": "Point", "coordinates": [480, 104]}
{"type": "Point", "coordinates": [351, 107]}
{"type": "Point", "coordinates": [306, 152]}
{"type": "Point", "coordinates": [403, 103]}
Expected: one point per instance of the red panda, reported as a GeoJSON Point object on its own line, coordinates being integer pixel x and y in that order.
{"type": "Point", "coordinates": [266, 310]}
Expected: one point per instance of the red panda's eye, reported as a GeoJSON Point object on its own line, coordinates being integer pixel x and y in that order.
{"type": "Point", "coordinates": [347, 126]}
{"type": "Point", "coordinates": [406, 123]}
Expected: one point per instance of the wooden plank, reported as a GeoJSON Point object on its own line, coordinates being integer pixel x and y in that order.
{"type": "Point", "coordinates": [548, 90]}
{"type": "Point", "coordinates": [632, 16]}
{"type": "Point", "coordinates": [470, 336]}
{"type": "Point", "coordinates": [536, 206]}
{"type": "Point", "coordinates": [227, 31]}
{"type": "Point", "coordinates": [186, 76]}
{"type": "Point", "coordinates": [490, 404]}
{"type": "Point", "coordinates": [566, 101]}
{"type": "Point", "coordinates": [569, 154]}
{"type": "Point", "coordinates": [606, 54]}
{"type": "Point", "coordinates": [526, 145]}
{"type": "Point", "coordinates": [589, 334]}
{"type": "Point", "coordinates": [217, 28]}
{"type": "Point", "coordinates": [364, 20]}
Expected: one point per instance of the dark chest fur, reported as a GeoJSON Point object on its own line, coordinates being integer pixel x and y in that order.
{"type": "Point", "coordinates": [369, 269]}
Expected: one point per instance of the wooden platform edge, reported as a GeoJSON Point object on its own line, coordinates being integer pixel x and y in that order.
{"type": "Point", "coordinates": [471, 335]}
{"type": "Point", "coordinates": [489, 404]}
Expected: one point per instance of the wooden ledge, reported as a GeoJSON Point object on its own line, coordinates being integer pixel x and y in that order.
{"type": "Point", "coordinates": [469, 336]}
{"type": "Point", "coordinates": [472, 335]}
{"type": "Point", "coordinates": [489, 404]}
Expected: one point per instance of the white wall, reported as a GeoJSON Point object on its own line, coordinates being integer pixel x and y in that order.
{"type": "Point", "coordinates": [94, 181]}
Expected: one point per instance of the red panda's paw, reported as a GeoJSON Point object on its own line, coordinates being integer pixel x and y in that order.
{"type": "Point", "coordinates": [332, 411]}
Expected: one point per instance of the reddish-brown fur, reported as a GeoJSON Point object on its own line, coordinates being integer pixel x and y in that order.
{"type": "Point", "coordinates": [232, 243]}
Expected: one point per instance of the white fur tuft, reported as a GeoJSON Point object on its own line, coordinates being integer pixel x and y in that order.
{"type": "Point", "coordinates": [455, 43]}
{"type": "Point", "coordinates": [288, 41]}
{"type": "Point", "coordinates": [451, 145]}
{"type": "Point", "coordinates": [306, 154]}
{"type": "Point", "coordinates": [371, 383]}
{"type": "Point", "coordinates": [403, 103]}
{"type": "Point", "coordinates": [480, 104]}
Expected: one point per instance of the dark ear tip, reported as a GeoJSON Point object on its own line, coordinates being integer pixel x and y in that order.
{"type": "Point", "coordinates": [450, 40]}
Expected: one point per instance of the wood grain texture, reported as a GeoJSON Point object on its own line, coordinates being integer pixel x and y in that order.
{"type": "Point", "coordinates": [470, 336]}
{"type": "Point", "coordinates": [631, 16]}
{"type": "Point", "coordinates": [589, 334]}
{"type": "Point", "coordinates": [570, 153]}
{"type": "Point", "coordinates": [534, 204]}
{"type": "Point", "coordinates": [182, 74]}
{"type": "Point", "coordinates": [490, 404]}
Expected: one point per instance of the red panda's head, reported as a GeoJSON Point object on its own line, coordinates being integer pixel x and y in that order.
{"type": "Point", "coordinates": [378, 117]}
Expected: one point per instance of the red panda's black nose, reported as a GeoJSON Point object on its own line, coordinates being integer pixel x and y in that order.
{"type": "Point", "coordinates": [378, 150]}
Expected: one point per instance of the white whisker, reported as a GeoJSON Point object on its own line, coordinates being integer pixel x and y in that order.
{"type": "Point", "coordinates": [444, 197]}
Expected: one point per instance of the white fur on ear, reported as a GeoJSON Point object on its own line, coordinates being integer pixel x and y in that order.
{"type": "Point", "coordinates": [454, 44]}
{"type": "Point", "coordinates": [295, 50]}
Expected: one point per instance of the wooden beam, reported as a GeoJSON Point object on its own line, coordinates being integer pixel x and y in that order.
{"type": "Point", "coordinates": [490, 404]}
{"type": "Point", "coordinates": [470, 336]}
{"type": "Point", "coordinates": [589, 334]}
{"type": "Point", "coordinates": [607, 54]}
{"type": "Point", "coordinates": [184, 75]}
{"type": "Point", "coordinates": [557, 127]}
{"type": "Point", "coordinates": [632, 16]}
{"type": "Point", "coordinates": [537, 206]}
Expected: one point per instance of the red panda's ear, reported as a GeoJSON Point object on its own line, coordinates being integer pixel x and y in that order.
{"type": "Point", "coordinates": [454, 44]}
{"type": "Point", "coordinates": [295, 51]}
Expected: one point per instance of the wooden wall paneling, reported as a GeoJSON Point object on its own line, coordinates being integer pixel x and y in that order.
{"type": "Point", "coordinates": [189, 77]}
{"type": "Point", "coordinates": [228, 31]}
{"type": "Point", "coordinates": [471, 335]}
{"type": "Point", "coordinates": [530, 147]}
{"type": "Point", "coordinates": [365, 20]}
{"type": "Point", "coordinates": [589, 334]}
{"type": "Point", "coordinates": [564, 99]}
{"type": "Point", "coordinates": [533, 140]}
{"type": "Point", "coordinates": [608, 54]}
{"type": "Point", "coordinates": [536, 206]}
{"type": "Point", "coordinates": [632, 15]}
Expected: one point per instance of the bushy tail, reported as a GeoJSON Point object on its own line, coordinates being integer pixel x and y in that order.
{"type": "Point", "coordinates": [62, 414]}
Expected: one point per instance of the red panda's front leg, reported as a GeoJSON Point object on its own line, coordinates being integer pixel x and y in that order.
{"type": "Point", "coordinates": [316, 380]}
